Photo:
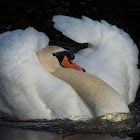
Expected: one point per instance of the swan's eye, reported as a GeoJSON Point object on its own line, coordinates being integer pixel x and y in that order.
{"type": "Point", "coordinates": [70, 55]}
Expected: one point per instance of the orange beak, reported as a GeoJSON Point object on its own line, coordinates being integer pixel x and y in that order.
{"type": "Point", "coordinates": [70, 64]}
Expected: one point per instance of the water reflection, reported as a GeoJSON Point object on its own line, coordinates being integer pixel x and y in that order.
{"type": "Point", "coordinates": [22, 134]}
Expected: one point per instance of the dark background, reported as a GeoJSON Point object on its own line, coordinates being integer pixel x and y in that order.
{"type": "Point", "coordinates": [16, 14]}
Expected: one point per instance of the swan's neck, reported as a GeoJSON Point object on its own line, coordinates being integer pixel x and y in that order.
{"type": "Point", "coordinates": [87, 86]}
{"type": "Point", "coordinates": [99, 95]}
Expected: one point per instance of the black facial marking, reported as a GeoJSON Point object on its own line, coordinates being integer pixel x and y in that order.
{"type": "Point", "coordinates": [69, 54]}
{"type": "Point", "coordinates": [60, 55]}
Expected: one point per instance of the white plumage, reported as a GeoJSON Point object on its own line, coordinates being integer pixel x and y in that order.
{"type": "Point", "coordinates": [112, 55]}
{"type": "Point", "coordinates": [27, 90]}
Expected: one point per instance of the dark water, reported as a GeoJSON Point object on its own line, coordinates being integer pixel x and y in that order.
{"type": "Point", "coordinates": [128, 128]}
{"type": "Point", "coordinates": [38, 14]}
{"type": "Point", "coordinates": [21, 134]}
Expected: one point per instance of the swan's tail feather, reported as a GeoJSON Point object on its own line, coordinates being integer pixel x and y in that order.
{"type": "Point", "coordinates": [78, 30]}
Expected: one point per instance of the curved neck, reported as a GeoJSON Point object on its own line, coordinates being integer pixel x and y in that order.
{"type": "Point", "coordinates": [100, 97]}
{"type": "Point", "coordinates": [87, 86]}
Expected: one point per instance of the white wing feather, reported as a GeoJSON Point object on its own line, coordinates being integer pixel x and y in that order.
{"type": "Point", "coordinates": [111, 55]}
{"type": "Point", "coordinates": [27, 90]}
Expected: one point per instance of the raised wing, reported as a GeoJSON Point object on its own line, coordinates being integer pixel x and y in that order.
{"type": "Point", "coordinates": [111, 55]}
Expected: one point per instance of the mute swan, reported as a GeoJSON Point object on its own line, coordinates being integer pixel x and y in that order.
{"type": "Point", "coordinates": [28, 90]}
{"type": "Point", "coordinates": [111, 54]}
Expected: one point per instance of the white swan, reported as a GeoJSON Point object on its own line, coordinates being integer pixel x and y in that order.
{"type": "Point", "coordinates": [111, 54]}
{"type": "Point", "coordinates": [28, 91]}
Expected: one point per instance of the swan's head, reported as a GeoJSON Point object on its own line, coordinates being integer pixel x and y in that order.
{"type": "Point", "coordinates": [53, 57]}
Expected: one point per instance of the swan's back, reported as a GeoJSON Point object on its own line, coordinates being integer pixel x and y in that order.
{"type": "Point", "coordinates": [27, 90]}
{"type": "Point", "coordinates": [111, 55]}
